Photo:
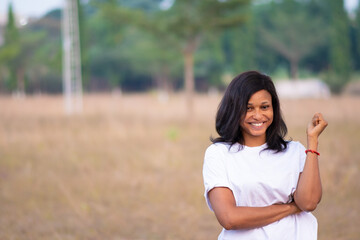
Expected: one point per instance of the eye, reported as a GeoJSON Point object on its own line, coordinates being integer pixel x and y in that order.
{"type": "Point", "coordinates": [264, 107]}
{"type": "Point", "coordinates": [249, 108]}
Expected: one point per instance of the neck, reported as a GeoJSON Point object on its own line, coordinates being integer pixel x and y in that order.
{"type": "Point", "coordinates": [254, 142]}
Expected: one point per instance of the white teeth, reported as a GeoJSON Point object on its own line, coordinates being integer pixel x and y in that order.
{"type": "Point", "coordinates": [257, 124]}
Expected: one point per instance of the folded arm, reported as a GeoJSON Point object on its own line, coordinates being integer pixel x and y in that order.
{"type": "Point", "coordinates": [233, 217]}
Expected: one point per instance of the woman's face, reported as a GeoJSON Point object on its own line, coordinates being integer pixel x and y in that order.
{"type": "Point", "coordinates": [258, 118]}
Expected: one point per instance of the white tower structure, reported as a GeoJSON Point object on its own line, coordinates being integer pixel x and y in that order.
{"type": "Point", "coordinates": [72, 82]}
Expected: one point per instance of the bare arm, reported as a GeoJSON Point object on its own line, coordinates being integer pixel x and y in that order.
{"type": "Point", "coordinates": [231, 216]}
{"type": "Point", "coordinates": [309, 191]}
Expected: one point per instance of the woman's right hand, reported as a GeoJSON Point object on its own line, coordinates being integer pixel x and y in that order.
{"type": "Point", "coordinates": [295, 208]}
{"type": "Point", "coordinates": [233, 217]}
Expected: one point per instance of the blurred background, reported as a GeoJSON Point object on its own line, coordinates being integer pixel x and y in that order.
{"type": "Point", "coordinates": [149, 75]}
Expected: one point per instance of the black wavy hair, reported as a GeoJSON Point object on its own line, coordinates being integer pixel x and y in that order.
{"type": "Point", "coordinates": [233, 108]}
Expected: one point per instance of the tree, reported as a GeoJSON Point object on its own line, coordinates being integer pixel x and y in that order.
{"type": "Point", "coordinates": [122, 55]}
{"type": "Point", "coordinates": [83, 43]}
{"type": "Point", "coordinates": [211, 62]}
{"type": "Point", "coordinates": [357, 36]}
{"type": "Point", "coordinates": [16, 52]}
{"type": "Point", "coordinates": [189, 20]}
{"type": "Point", "coordinates": [290, 33]}
{"type": "Point", "coordinates": [44, 61]}
{"type": "Point", "coordinates": [340, 65]}
{"type": "Point", "coordinates": [242, 54]}
{"type": "Point", "coordinates": [184, 24]}
{"type": "Point", "coordinates": [10, 52]}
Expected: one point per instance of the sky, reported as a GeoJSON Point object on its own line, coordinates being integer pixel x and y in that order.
{"type": "Point", "coordinates": [351, 4]}
{"type": "Point", "coordinates": [30, 8]}
{"type": "Point", "coordinates": [37, 8]}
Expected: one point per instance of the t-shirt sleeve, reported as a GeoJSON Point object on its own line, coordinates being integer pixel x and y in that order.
{"type": "Point", "coordinates": [214, 171]}
{"type": "Point", "coordinates": [302, 156]}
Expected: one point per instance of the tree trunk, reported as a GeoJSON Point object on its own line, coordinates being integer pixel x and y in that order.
{"type": "Point", "coordinates": [189, 75]}
{"type": "Point", "coordinates": [20, 82]}
{"type": "Point", "coordinates": [163, 83]}
{"type": "Point", "coordinates": [294, 69]}
{"type": "Point", "coordinates": [189, 83]}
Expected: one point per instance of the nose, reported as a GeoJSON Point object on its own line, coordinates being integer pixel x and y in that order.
{"type": "Point", "coordinates": [257, 114]}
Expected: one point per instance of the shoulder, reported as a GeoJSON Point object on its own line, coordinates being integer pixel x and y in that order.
{"type": "Point", "coordinates": [221, 153]}
{"type": "Point", "coordinates": [297, 152]}
{"type": "Point", "coordinates": [295, 146]}
{"type": "Point", "coordinates": [216, 149]}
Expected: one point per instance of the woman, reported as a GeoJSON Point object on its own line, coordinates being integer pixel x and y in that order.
{"type": "Point", "coordinates": [259, 185]}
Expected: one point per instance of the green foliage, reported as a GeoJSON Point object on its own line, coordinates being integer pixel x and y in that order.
{"type": "Point", "coordinates": [33, 54]}
{"type": "Point", "coordinates": [178, 29]}
{"type": "Point", "coordinates": [356, 26]}
{"type": "Point", "coordinates": [11, 31]}
{"type": "Point", "coordinates": [241, 52]}
{"type": "Point", "coordinates": [210, 61]}
{"type": "Point", "coordinates": [124, 49]}
{"type": "Point", "coordinates": [172, 134]}
{"type": "Point", "coordinates": [190, 21]}
{"type": "Point", "coordinates": [286, 32]}
{"type": "Point", "coordinates": [11, 50]}
{"type": "Point", "coordinates": [83, 28]}
{"type": "Point", "coordinates": [186, 19]}
{"type": "Point", "coordinates": [138, 44]}
{"type": "Point", "coordinates": [340, 67]}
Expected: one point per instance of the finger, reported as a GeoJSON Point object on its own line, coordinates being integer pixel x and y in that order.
{"type": "Point", "coordinates": [321, 126]}
{"type": "Point", "coordinates": [321, 119]}
{"type": "Point", "coordinates": [315, 119]}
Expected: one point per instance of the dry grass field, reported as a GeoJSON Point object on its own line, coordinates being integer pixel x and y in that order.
{"type": "Point", "coordinates": [130, 167]}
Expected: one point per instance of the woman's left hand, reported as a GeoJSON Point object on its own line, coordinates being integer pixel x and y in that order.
{"type": "Point", "coordinates": [316, 126]}
{"type": "Point", "coordinates": [309, 190]}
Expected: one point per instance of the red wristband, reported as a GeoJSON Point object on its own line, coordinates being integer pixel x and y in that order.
{"type": "Point", "coordinates": [313, 151]}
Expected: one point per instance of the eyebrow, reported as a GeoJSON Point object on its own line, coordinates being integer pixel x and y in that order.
{"type": "Point", "coordinates": [265, 102]}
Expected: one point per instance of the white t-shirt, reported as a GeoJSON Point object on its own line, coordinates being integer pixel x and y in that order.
{"type": "Point", "coordinates": [257, 179]}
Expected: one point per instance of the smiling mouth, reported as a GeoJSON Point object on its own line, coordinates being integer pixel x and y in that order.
{"type": "Point", "coordinates": [257, 124]}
